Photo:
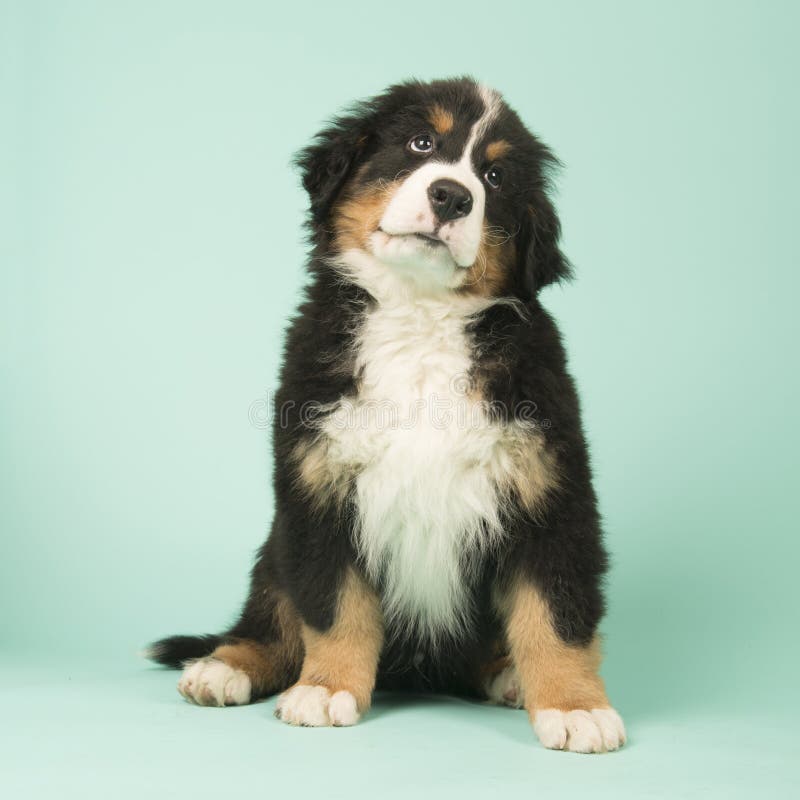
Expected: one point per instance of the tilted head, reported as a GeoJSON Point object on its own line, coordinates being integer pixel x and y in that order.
{"type": "Point", "coordinates": [440, 184]}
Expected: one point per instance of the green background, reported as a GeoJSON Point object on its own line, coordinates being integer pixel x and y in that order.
{"type": "Point", "coordinates": [151, 253]}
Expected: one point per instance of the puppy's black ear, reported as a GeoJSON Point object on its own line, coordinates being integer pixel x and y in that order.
{"type": "Point", "coordinates": [330, 159]}
{"type": "Point", "coordinates": [543, 261]}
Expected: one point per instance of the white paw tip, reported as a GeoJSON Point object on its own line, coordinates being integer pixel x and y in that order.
{"type": "Point", "coordinates": [343, 709]}
{"type": "Point", "coordinates": [597, 731]}
{"type": "Point", "coordinates": [611, 726]}
{"type": "Point", "coordinates": [304, 705]}
{"type": "Point", "coordinates": [550, 728]}
{"type": "Point", "coordinates": [583, 733]}
{"type": "Point", "coordinates": [504, 689]}
{"type": "Point", "coordinates": [210, 682]}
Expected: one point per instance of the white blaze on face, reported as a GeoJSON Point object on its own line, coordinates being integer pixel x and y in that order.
{"type": "Point", "coordinates": [410, 211]}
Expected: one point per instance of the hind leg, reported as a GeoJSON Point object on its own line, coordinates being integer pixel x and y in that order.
{"type": "Point", "coordinates": [243, 670]}
{"type": "Point", "coordinates": [235, 674]}
{"type": "Point", "coordinates": [501, 683]}
{"type": "Point", "coordinates": [210, 681]}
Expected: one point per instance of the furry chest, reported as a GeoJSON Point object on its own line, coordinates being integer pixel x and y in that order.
{"type": "Point", "coordinates": [429, 470]}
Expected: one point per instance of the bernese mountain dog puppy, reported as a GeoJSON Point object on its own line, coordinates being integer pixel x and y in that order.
{"type": "Point", "coordinates": [435, 525]}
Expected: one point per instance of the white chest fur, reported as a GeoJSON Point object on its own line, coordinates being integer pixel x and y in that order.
{"type": "Point", "coordinates": [430, 466]}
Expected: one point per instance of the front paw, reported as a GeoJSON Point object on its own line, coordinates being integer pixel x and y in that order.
{"type": "Point", "coordinates": [315, 706]}
{"type": "Point", "coordinates": [597, 731]}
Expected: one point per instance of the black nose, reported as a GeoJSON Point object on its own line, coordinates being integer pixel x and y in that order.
{"type": "Point", "coordinates": [449, 200]}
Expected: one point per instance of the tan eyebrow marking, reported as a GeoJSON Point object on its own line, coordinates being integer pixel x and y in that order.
{"type": "Point", "coordinates": [441, 119]}
{"type": "Point", "coordinates": [497, 149]}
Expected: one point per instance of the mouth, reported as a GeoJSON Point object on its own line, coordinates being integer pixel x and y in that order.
{"type": "Point", "coordinates": [429, 239]}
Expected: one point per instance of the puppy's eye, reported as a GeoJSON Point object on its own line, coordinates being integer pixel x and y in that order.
{"type": "Point", "coordinates": [494, 177]}
{"type": "Point", "coordinates": [422, 143]}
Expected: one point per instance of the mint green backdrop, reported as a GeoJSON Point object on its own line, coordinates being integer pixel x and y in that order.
{"type": "Point", "coordinates": [151, 253]}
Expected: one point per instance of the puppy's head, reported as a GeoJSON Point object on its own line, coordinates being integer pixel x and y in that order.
{"type": "Point", "coordinates": [439, 183]}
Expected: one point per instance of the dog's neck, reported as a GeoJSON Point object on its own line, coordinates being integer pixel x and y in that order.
{"type": "Point", "coordinates": [410, 284]}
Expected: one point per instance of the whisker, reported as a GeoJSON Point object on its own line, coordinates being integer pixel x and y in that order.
{"type": "Point", "coordinates": [481, 259]}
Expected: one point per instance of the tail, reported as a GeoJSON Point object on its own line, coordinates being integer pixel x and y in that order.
{"type": "Point", "coordinates": [175, 650]}
{"type": "Point", "coordinates": [267, 620]}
